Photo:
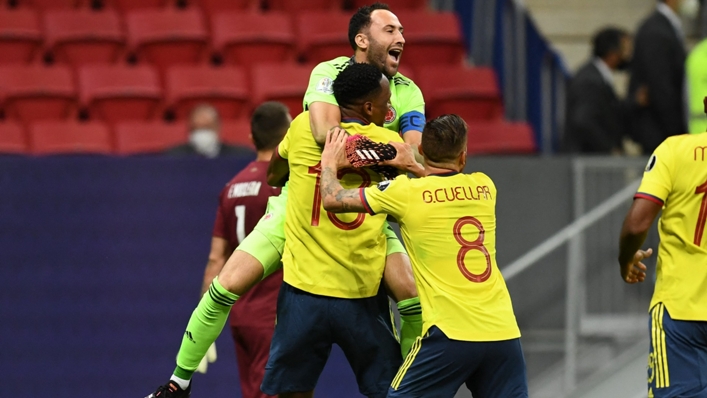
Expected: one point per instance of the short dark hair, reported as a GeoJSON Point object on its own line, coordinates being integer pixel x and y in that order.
{"type": "Point", "coordinates": [357, 83]}
{"type": "Point", "coordinates": [269, 124]}
{"type": "Point", "coordinates": [444, 138]}
{"type": "Point", "coordinates": [361, 20]}
{"type": "Point", "coordinates": [606, 41]}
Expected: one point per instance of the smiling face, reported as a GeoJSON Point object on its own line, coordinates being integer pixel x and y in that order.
{"type": "Point", "coordinates": [385, 41]}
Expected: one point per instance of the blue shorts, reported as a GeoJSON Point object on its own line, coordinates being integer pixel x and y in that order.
{"type": "Point", "coordinates": [437, 366]}
{"type": "Point", "coordinates": [307, 326]}
{"type": "Point", "coordinates": [677, 362]}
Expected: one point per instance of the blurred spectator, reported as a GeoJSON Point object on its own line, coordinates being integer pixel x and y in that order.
{"type": "Point", "coordinates": [596, 118]}
{"type": "Point", "coordinates": [204, 140]}
{"type": "Point", "coordinates": [659, 67]}
{"type": "Point", "coordinates": [697, 79]}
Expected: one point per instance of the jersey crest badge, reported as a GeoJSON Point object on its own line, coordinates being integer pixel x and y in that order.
{"type": "Point", "coordinates": [651, 163]}
{"type": "Point", "coordinates": [383, 185]}
{"type": "Point", "coordinates": [325, 86]}
{"type": "Point", "coordinates": [391, 115]}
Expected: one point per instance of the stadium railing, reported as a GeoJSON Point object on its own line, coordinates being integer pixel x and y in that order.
{"type": "Point", "coordinates": [604, 317]}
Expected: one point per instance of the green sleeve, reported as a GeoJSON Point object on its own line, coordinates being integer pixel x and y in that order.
{"type": "Point", "coordinates": [320, 88]}
{"type": "Point", "coordinates": [413, 99]}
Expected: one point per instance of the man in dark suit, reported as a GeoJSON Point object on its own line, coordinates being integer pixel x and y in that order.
{"type": "Point", "coordinates": [596, 118]}
{"type": "Point", "coordinates": [659, 66]}
{"type": "Point", "coordinates": [204, 140]}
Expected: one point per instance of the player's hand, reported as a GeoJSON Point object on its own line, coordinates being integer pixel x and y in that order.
{"type": "Point", "coordinates": [210, 357]}
{"type": "Point", "coordinates": [636, 269]}
{"type": "Point", "coordinates": [334, 153]}
{"type": "Point", "coordinates": [405, 159]}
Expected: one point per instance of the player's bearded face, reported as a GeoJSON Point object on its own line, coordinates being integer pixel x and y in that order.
{"type": "Point", "coordinates": [385, 57]}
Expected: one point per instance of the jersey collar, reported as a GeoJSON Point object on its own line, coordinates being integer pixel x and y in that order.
{"type": "Point", "coordinates": [445, 174]}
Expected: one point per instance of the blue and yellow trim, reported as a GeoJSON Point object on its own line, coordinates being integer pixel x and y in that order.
{"type": "Point", "coordinates": [408, 362]}
{"type": "Point", "coordinates": [661, 372]}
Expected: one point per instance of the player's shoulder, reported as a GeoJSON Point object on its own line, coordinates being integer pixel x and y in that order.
{"type": "Point", "coordinates": [335, 65]}
{"type": "Point", "coordinates": [401, 80]}
{"type": "Point", "coordinates": [481, 177]}
{"type": "Point", "coordinates": [401, 181]}
{"type": "Point", "coordinates": [385, 134]}
{"type": "Point", "coordinates": [300, 122]}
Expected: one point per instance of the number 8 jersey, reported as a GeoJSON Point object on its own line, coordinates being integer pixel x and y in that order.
{"type": "Point", "coordinates": [335, 255]}
{"type": "Point", "coordinates": [448, 222]}
{"type": "Point", "coordinates": [676, 177]}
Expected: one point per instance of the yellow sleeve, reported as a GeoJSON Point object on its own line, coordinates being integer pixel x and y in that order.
{"type": "Point", "coordinates": [658, 176]}
{"type": "Point", "coordinates": [283, 148]}
{"type": "Point", "coordinates": [387, 197]}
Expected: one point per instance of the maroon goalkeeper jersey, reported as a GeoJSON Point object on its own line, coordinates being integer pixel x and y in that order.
{"type": "Point", "coordinates": [241, 205]}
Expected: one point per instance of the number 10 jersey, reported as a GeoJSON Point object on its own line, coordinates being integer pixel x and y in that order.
{"type": "Point", "coordinates": [335, 255]}
{"type": "Point", "coordinates": [448, 223]}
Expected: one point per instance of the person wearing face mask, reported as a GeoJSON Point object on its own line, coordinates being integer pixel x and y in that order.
{"type": "Point", "coordinates": [596, 117]}
{"type": "Point", "coordinates": [659, 66]}
{"type": "Point", "coordinates": [204, 141]}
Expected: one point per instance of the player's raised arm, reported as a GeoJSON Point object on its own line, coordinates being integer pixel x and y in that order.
{"type": "Point", "coordinates": [335, 198]}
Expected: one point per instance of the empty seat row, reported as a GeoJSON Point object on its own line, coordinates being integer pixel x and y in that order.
{"type": "Point", "coordinates": [127, 138]}
{"type": "Point", "coordinates": [116, 93]}
{"type": "Point", "coordinates": [210, 5]}
{"type": "Point", "coordinates": [168, 36]}
{"type": "Point", "coordinates": [130, 138]}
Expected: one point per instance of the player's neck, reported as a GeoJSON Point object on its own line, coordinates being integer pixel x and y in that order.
{"type": "Point", "coordinates": [441, 168]}
{"type": "Point", "coordinates": [351, 114]}
{"type": "Point", "coordinates": [264, 156]}
{"type": "Point", "coordinates": [360, 57]}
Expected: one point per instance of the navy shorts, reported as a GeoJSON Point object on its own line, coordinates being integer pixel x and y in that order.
{"type": "Point", "coordinates": [437, 366]}
{"type": "Point", "coordinates": [307, 326]}
{"type": "Point", "coordinates": [677, 362]}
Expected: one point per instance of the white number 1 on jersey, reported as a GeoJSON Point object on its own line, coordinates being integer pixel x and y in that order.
{"type": "Point", "coordinates": [240, 223]}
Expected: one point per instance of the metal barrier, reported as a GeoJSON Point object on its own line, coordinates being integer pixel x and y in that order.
{"type": "Point", "coordinates": [599, 305]}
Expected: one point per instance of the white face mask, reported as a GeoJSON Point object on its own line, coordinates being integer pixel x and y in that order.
{"type": "Point", "coordinates": [689, 8]}
{"type": "Point", "coordinates": [206, 142]}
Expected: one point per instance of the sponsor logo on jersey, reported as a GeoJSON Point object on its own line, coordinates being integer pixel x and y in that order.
{"type": "Point", "coordinates": [391, 115]}
{"type": "Point", "coordinates": [267, 216]}
{"type": "Point", "coordinates": [325, 86]}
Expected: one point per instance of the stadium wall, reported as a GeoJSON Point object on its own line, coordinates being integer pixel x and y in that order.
{"type": "Point", "coordinates": [101, 261]}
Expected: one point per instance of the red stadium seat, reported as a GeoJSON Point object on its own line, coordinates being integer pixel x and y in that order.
{"type": "Point", "coordinates": [432, 38]}
{"type": "Point", "coordinates": [396, 5]}
{"type": "Point", "coordinates": [249, 38]}
{"type": "Point", "coordinates": [70, 137]}
{"type": "Point", "coordinates": [117, 93]}
{"type": "Point", "coordinates": [472, 93]}
{"type": "Point", "coordinates": [35, 92]}
{"type": "Point", "coordinates": [212, 7]}
{"type": "Point", "coordinates": [148, 137]}
{"type": "Point", "coordinates": [20, 36]}
{"type": "Point", "coordinates": [500, 137]}
{"type": "Point", "coordinates": [126, 6]}
{"type": "Point", "coordinates": [237, 132]}
{"type": "Point", "coordinates": [168, 37]}
{"type": "Point", "coordinates": [225, 88]}
{"type": "Point", "coordinates": [83, 36]}
{"type": "Point", "coordinates": [299, 5]}
{"type": "Point", "coordinates": [284, 83]}
{"type": "Point", "coordinates": [42, 5]}
{"type": "Point", "coordinates": [12, 139]}
{"type": "Point", "coordinates": [323, 35]}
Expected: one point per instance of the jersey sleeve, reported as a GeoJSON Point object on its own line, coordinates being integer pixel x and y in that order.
{"type": "Point", "coordinates": [387, 197]}
{"type": "Point", "coordinates": [220, 229]}
{"type": "Point", "coordinates": [658, 175]}
{"type": "Point", "coordinates": [321, 83]}
{"type": "Point", "coordinates": [283, 148]}
{"type": "Point", "coordinates": [413, 109]}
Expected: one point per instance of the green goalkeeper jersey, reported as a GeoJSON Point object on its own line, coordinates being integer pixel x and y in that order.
{"type": "Point", "coordinates": [407, 106]}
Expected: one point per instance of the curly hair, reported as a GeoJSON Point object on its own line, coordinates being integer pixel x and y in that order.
{"type": "Point", "coordinates": [357, 83]}
{"type": "Point", "coordinates": [361, 20]}
{"type": "Point", "coordinates": [444, 138]}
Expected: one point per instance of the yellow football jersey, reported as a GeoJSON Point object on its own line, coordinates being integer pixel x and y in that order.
{"type": "Point", "coordinates": [448, 224]}
{"type": "Point", "coordinates": [336, 255]}
{"type": "Point", "coordinates": [676, 177]}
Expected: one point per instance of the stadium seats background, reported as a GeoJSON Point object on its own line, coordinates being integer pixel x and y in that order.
{"type": "Point", "coordinates": [115, 61]}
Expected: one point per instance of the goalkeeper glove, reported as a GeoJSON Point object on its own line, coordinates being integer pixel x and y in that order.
{"type": "Point", "coordinates": [210, 357]}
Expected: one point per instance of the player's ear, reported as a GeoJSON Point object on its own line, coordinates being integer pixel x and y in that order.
{"type": "Point", "coordinates": [368, 109]}
{"type": "Point", "coordinates": [462, 159]}
{"type": "Point", "coordinates": [361, 41]}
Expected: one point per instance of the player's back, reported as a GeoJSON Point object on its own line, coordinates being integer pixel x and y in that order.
{"type": "Point", "coordinates": [337, 255]}
{"type": "Point", "coordinates": [676, 176]}
{"type": "Point", "coordinates": [448, 223]}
